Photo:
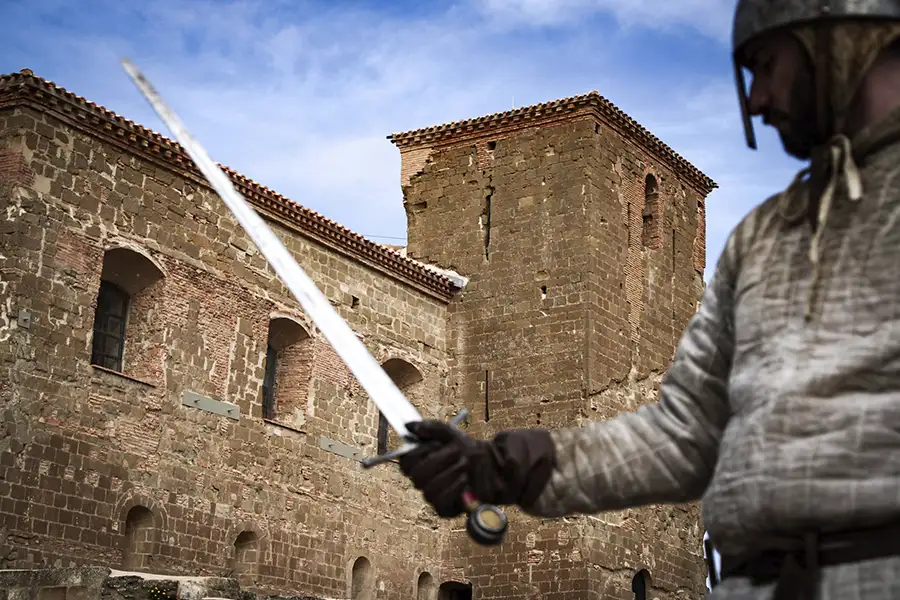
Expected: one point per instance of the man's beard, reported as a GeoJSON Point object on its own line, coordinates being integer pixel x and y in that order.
{"type": "Point", "coordinates": [798, 127]}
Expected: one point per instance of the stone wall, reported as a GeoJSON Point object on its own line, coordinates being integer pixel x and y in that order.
{"type": "Point", "coordinates": [584, 252]}
{"type": "Point", "coordinates": [185, 455]}
{"type": "Point", "coordinates": [164, 463]}
{"type": "Point", "coordinates": [103, 583]}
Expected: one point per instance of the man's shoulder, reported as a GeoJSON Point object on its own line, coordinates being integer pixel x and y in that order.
{"type": "Point", "coordinates": [762, 222]}
{"type": "Point", "coordinates": [760, 217]}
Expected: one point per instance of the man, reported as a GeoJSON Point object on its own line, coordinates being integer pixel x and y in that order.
{"type": "Point", "coordinates": [781, 409]}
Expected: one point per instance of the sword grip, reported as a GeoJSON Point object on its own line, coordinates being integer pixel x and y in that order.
{"type": "Point", "coordinates": [486, 524]}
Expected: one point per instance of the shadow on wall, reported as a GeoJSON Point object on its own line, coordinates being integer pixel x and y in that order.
{"type": "Point", "coordinates": [453, 590]}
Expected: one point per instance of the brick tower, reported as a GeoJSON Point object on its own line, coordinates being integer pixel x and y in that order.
{"type": "Point", "coordinates": [582, 236]}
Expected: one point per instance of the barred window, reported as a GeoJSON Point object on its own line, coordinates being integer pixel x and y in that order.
{"type": "Point", "coordinates": [268, 404]}
{"type": "Point", "coordinates": [382, 440]}
{"type": "Point", "coordinates": [109, 327]}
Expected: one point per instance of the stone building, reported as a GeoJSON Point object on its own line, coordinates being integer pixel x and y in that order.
{"type": "Point", "coordinates": [168, 408]}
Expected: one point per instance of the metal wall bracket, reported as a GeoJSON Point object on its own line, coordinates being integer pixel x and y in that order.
{"type": "Point", "coordinates": [207, 404]}
{"type": "Point", "coordinates": [340, 449]}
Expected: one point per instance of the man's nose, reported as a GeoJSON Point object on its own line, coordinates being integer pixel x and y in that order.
{"type": "Point", "coordinates": [758, 99]}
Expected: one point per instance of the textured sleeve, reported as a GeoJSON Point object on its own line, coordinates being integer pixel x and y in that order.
{"type": "Point", "coordinates": [664, 452]}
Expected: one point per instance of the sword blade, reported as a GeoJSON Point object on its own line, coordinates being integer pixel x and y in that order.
{"type": "Point", "coordinates": [395, 407]}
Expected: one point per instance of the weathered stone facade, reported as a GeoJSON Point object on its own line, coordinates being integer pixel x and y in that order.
{"type": "Point", "coordinates": [181, 451]}
{"type": "Point", "coordinates": [582, 236]}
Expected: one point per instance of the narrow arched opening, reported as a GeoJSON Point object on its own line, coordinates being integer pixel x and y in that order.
{"type": "Point", "coordinates": [288, 368]}
{"type": "Point", "coordinates": [137, 551]}
{"type": "Point", "coordinates": [244, 555]}
{"type": "Point", "coordinates": [361, 580]}
{"type": "Point", "coordinates": [650, 225]}
{"type": "Point", "coordinates": [426, 588]}
{"type": "Point", "coordinates": [454, 590]}
{"type": "Point", "coordinates": [640, 584]}
{"type": "Point", "coordinates": [410, 381]}
{"type": "Point", "coordinates": [127, 332]}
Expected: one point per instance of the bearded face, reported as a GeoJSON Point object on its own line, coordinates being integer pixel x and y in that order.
{"type": "Point", "coordinates": [783, 91]}
{"type": "Point", "coordinates": [797, 124]}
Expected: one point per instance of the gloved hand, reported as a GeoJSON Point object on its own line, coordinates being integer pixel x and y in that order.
{"type": "Point", "coordinates": [513, 468]}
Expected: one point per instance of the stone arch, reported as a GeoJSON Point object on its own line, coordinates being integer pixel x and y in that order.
{"type": "Point", "coordinates": [640, 584]}
{"type": "Point", "coordinates": [126, 503]}
{"type": "Point", "coordinates": [120, 244]}
{"type": "Point", "coordinates": [236, 528]}
{"type": "Point", "coordinates": [300, 320]}
{"type": "Point", "coordinates": [455, 590]}
{"type": "Point", "coordinates": [140, 534]}
{"type": "Point", "coordinates": [245, 552]}
{"type": "Point", "coordinates": [288, 371]}
{"type": "Point", "coordinates": [652, 215]}
{"type": "Point", "coordinates": [362, 580]}
{"type": "Point", "coordinates": [285, 331]}
{"type": "Point", "coordinates": [426, 587]}
{"type": "Point", "coordinates": [409, 379]}
{"type": "Point", "coordinates": [127, 333]}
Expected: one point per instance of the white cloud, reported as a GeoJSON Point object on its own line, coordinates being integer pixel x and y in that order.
{"type": "Point", "coordinates": [709, 17]}
{"type": "Point", "coordinates": [301, 98]}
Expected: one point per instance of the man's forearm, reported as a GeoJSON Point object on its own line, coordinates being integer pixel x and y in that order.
{"type": "Point", "coordinates": [665, 452]}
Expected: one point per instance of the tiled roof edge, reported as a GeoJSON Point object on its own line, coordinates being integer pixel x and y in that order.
{"type": "Point", "coordinates": [46, 94]}
{"type": "Point", "coordinates": [554, 109]}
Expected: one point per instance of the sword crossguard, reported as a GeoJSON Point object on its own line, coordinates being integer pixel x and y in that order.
{"type": "Point", "coordinates": [368, 463]}
{"type": "Point", "coordinates": [486, 524]}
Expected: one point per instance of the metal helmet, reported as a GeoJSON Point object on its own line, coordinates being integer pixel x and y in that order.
{"type": "Point", "coordinates": [755, 17]}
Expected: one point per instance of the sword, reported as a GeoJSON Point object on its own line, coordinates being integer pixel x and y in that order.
{"type": "Point", "coordinates": [486, 524]}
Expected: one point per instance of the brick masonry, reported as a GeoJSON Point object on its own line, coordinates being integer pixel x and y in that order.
{"type": "Point", "coordinates": [571, 313]}
{"type": "Point", "coordinates": [108, 467]}
{"type": "Point", "coordinates": [585, 257]}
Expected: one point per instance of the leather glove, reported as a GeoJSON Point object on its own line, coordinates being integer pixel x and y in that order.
{"type": "Point", "coordinates": [513, 468]}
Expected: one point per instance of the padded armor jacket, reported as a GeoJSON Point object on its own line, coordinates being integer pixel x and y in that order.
{"type": "Point", "coordinates": [781, 409]}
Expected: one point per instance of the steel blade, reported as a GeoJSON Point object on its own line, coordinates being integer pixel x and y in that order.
{"type": "Point", "coordinates": [395, 407]}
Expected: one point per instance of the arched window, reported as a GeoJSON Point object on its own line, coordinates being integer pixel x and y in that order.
{"type": "Point", "coordinates": [409, 380]}
{"type": "Point", "coordinates": [426, 589]}
{"type": "Point", "coordinates": [640, 584]}
{"type": "Point", "coordinates": [287, 372]}
{"type": "Point", "coordinates": [108, 346]}
{"type": "Point", "coordinates": [127, 337]}
{"type": "Point", "coordinates": [453, 590]}
{"type": "Point", "coordinates": [137, 549]}
{"type": "Point", "coordinates": [244, 555]}
{"type": "Point", "coordinates": [649, 228]}
{"type": "Point", "coordinates": [361, 580]}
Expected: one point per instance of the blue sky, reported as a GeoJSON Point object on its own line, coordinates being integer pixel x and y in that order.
{"type": "Point", "coordinates": [300, 95]}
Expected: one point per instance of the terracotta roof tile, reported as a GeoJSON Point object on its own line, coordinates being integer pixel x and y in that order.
{"type": "Point", "coordinates": [26, 88]}
{"type": "Point", "coordinates": [537, 113]}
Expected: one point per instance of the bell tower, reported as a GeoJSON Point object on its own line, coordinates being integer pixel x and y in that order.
{"type": "Point", "coordinates": [582, 238]}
